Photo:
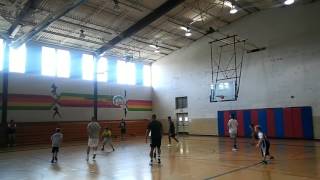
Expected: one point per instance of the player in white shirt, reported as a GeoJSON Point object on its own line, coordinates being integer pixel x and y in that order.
{"type": "Point", "coordinates": [263, 144]}
{"type": "Point", "coordinates": [93, 130]}
{"type": "Point", "coordinates": [56, 140]}
{"type": "Point", "coordinates": [233, 130]}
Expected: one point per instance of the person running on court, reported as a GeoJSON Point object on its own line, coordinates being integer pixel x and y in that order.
{"type": "Point", "coordinates": [263, 144]}
{"type": "Point", "coordinates": [56, 140]}
{"type": "Point", "coordinates": [172, 131]}
{"type": "Point", "coordinates": [233, 129]}
{"type": "Point", "coordinates": [155, 127]}
{"type": "Point", "coordinates": [93, 130]}
{"type": "Point", "coordinates": [123, 129]}
{"type": "Point", "coordinates": [253, 134]}
{"type": "Point", "coordinates": [107, 139]}
{"type": "Point", "coordinates": [12, 126]}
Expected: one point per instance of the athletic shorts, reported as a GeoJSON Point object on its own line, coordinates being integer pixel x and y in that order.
{"type": "Point", "coordinates": [107, 140]}
{"type": "Point", "coordinates": [233, 135]}
{"type": "Point", "coordinates": [93, 142]}
{"type": "Point", "coordinates": [55, 149]}
{"type": "Point", "coordinates": [155, 142]}
{"type": "Point", "coordinates": [264, 147]}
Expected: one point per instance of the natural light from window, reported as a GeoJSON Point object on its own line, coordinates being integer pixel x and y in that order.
{"type": "Point", "coordinates": [17, 59]}
{"type": "Point", "coordinates": [121, 72]}
{"type": "Point", "coordinates": [48, 61]}
{"type": "Point", "coordinates": [87, 67]}
{"type": "Point", "coordinates": [126, 73]}
{"type": "Point", "coordinates": [131, 73]}
{"type": "Point", "coordinates": [102, 70]}
{"type": "Point", "coordinates": [146, 75]}
{"type": "Point", "coordinates": [63, 63]}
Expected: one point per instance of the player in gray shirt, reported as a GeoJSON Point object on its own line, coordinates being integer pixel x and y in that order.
{"type": "Point", "coordinates": [56, 140]}
{"type": "Point", "coordinates": [93, 130]}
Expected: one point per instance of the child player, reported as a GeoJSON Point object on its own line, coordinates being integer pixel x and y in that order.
{"type": "Point", "coordinates": [56, 139]}
{"type": "Point", "coordinates": [106, 135]}
{"type": "Point", "coordinates": [263, 144]}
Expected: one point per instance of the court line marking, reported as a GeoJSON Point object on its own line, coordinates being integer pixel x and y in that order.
{"type": "Point", "coordinates": [234, 170]}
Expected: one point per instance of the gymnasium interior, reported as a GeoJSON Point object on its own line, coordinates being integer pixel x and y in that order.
{"type": "Point", "coordinates": [64, 62]}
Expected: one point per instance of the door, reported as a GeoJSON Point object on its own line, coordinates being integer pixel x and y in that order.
{"type": "Point", "coordinates": [182, 123]}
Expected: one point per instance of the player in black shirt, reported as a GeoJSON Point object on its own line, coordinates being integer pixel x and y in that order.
{"type": "Point", "coordinates": [155, 127]}
{"type": "Point", "coordinates": [172, 131]}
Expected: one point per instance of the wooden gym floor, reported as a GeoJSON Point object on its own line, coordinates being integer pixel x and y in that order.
{"type": "Point", "coordinates": [195, 158]}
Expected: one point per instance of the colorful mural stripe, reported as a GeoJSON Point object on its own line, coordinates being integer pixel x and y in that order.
{"type": "Point", "coordinates": [289, 122]}
{"type": "Point", "coordinates": [44, 102]}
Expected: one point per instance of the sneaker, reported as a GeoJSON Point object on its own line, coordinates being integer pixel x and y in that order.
{"type": "Point", "coordinates": [265, 162]}
{"type": "Point", "coordinates": [52, 161]}
{"type": "Point", "coordinates": [102, 149]}
{"type": "Point", "coordinates": [113, 149]}
{"type": "Point", "coordinates": [150, 163]}
{"type": "Point", "coordinates": [159, 161]}
{"type": "Point", "coordinates": [94, 157]}
{"type": "Point", "coordinates": [169, 145]}
{"type": "Point", "coordinates": [56, 158]}
{"type": "Point", "coordinates": [234, 149]}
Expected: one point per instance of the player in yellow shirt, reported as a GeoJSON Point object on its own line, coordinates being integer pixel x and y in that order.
{"type": "Point", "coordinates": [107, 139]}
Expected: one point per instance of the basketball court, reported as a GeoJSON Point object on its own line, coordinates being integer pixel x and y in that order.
{"type": "Point", "coordinates": [195, 158]}
{"type": "Point", "coordinates": [220, 89]}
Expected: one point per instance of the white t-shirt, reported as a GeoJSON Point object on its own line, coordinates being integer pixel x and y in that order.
{"type": "Point", "coordinates": [260, 135]}
{"type": "Point", "coordinates": [93, 129]}
{"type": "Point", "coordinates": [56, 139]}
{"type": "Point", "coordinates": [233, 126]}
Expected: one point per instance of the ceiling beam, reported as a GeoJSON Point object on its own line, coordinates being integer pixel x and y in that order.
{"type": "Point", "coordinates": [142, 23]}
{"type": "Point", "coordinates": [247, 7]}
{"type": "Point", "coordinates": [29, 6]}
{"type": "Point", "coordinates": [46, 22]}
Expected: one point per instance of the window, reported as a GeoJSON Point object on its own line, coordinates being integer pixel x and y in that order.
{"type": "Point", "coordinates": [87, 67]}
{"type": "Point", "coordinates": [102, 70]}
{"type": "Point", "coordinates": [146, 75]}
{"type": "Point", "coordinates": [48, 65]}
{"type": "Point", "coordinates": [131, 73]}
{"type": "Point", "coordinates": [126, 73]}
{"type": "Point", "coordinates": [63, 63]}
{"type": "Point", "coordinates": [181, 102]}
{"type": "Point", "coordinates": [55, 62]}
{"type": "Point", "coordinates": [1, 54]}
{"type": "Point", "coordinates": [17, 59]}
{"type": "Point", "coordinates": [121, 72]}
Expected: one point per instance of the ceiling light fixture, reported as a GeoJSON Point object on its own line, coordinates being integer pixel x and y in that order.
{"type": "Point", "coordinates": [157, 51]}
{"type": "Point", "coordinates": [187, 29]}
{"type": "Point", "coordinates": [154, 46]}
{"type": "Point", "coordinates": [228, 3]}
{"type": "Point", "coordinates": [233, 10]}
{"type": "Point", "coordinates": [288, 2]}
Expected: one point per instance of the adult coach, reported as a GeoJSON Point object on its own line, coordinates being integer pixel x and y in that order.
{"type": "Point", "coordinates": [123, 128]}
{"type": "Point", "coordinates": [155, 127]}
{"type": "Point", "coordinates": [93, 130]}
{"type": "Point", "coordinates": [233, 130]}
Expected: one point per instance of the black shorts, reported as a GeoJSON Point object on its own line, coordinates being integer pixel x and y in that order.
{"type": "Point", "coordinates": [264, 147]}
{"type": "Point", "coordinates": [155, 142]}
{"type": "Point", "coordinates": [123, 131]}
{"type": "Point", "coordinates": [55, 149]}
